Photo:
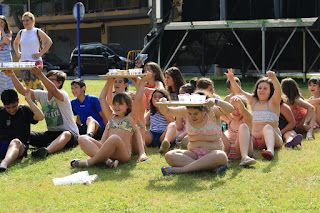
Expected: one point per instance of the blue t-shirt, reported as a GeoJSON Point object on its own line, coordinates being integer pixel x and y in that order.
{"type": "Point", "coordinates": [89, 107]}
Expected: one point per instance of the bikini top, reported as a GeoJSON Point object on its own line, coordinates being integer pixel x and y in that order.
{"type": "Point", "coordinates": [261, 116]}
{"type": "Point", "coordinates": [124, 124]}
{"type": "Point", "coordinates": [210, 128]}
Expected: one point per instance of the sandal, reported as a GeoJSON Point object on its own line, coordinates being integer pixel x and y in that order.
{"type": "Point", "coordinates": [168, 172]}
{"type": "Point", "coordinates": [295, 141]}
{"type": "Point", "coordinates": [76, 163]}
{"type": "Point", "coordinates": [267, 154]}
{"type": "Point", "coordinates": [112, 163]}
{"type": "Point", "coordinates": [3, 168]}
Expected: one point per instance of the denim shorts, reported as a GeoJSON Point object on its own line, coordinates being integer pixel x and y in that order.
{"type": "Point", "coordinates": [4, 145]}
{"type": "Point", "coordinates": [156, 139]}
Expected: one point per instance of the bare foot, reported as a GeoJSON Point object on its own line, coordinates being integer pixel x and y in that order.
{"type": "Point", "coordinates": [309, 136]}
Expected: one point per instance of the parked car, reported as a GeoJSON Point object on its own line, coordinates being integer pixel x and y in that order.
{"type": "Point", "coordinates": [53, 62]}
{"type": "Point", "coordinates": [97, 58]}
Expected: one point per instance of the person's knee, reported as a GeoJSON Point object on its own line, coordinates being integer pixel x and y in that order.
{"type": "Point", "coordinates": [243, 127]}
{"type": "Point", "coordinates": [67, 135]}
{"type": "Point", "coordinates": [16, 143]}
{"type": "Point", "coordinates": [169, 156]}
{"type": "Point", "coordinates": [82, 139]}
{"type": "Point", "coordinates": [90, 120]}
{"type": "Point", "coordinates": [114, 139]}
{"type": "Point", "coordinates": [222, 157]}
{"type": "Point", "coordinates": [267, 127]}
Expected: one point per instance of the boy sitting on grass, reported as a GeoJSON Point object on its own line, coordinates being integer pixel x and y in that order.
{"type": "Point", "coordinates": [15, 123]}
{"type": "Point", "coordinates": [90, 118]}
{"type": "Point", "coordinates": [55, 103]}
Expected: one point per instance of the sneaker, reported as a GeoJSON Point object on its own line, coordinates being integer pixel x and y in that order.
{"type": "Point", "coordinates": [40, 153]}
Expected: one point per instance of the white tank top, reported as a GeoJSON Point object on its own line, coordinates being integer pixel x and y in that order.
{"type": "Point", "coordinates": [29, 44]}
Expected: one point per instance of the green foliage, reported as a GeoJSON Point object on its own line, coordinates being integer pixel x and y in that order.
{"type": "Point", "coordinates": [289, 183]}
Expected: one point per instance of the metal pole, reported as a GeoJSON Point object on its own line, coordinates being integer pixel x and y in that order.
{"type": "Point", "coordinates": [304, 56]}
{"type": "Point", "coordinates": [263, 40]}
{"type": "Point", "coordinates": [246, 51]}
{"type": "Point", "coordinates": [29, 6]}
{"type": "Point", "coordinates": [78, 37]}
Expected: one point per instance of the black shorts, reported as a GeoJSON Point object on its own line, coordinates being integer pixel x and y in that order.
{"type": "Point", "coordinates": [44, 139]}
{"type": "Point", "coordinates": [83, 130]}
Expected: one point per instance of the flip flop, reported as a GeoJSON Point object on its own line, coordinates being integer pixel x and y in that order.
{"type": "Point", "coordinates": [168, 172]}
{"type": "Point", "coordinates": [112, 163]}
{"type": "Point", "coordinates": [3, 168]}
{"type": "Point", "coordinates": [267, 154]}
{"type": "Point", "coordinates": [220, 169]}
{"type": "Point", "coordinates": [295, 141]}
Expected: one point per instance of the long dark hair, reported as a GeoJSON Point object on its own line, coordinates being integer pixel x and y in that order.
{"type": "Point", "coordinates": [177, 77]}
{"type": "Point", "coordinates": [261, 80]}
{"type": "Point", "coordinates": [121, 98]}
{"type": "Point", "coordinates": [290, 89]}
{"type": "Point", "coordinates": [6, 26]}
{"type": "Point", "coordinates": [165, 94]}
{"type": "Point", "coordinates": [158, 72]}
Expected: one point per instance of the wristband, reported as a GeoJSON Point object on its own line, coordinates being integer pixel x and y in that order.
{"type": "Point", "coordinates": [216, 101]}
{"type": "Point", "coordinates": [36, 111]}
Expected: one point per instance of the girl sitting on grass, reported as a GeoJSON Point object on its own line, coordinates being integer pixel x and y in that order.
{"type": "Point", "coordinates": [265, 106]}
{"type": "Point", "coordinates": [116, 141]}
{"type": "Point", "coordinates": [303, 111]}
{"type": "Point", "coordinates": [239, 131]}
{"type": "Point", "coordinates": [314, 89]}
{"type": "Point", "coordinates": [162, 130]}
{"type": "Point", "coordinates": [205, 147]}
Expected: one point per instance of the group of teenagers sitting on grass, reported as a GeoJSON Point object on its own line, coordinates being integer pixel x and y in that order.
{"type": "Point", "coordinates": [120, 123]}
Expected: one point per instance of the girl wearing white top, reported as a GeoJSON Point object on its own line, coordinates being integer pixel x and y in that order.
{"type": "Point", "coordinates": [30, 48]}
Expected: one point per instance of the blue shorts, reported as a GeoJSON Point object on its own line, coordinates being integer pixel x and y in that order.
{"type": "Point", "coordinates": [4, 145]}
{"type": "Point", "coordinates": [156, 139]}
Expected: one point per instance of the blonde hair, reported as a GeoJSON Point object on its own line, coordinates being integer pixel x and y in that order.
{"type": "Point", "coordinates": [30, 15]}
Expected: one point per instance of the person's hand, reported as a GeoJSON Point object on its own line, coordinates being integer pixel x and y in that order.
{"type": "Point", "coordinates": [9, 73]}
{"type": "Point", "coordinates": [306, 126]}
{"type": "Point", "coordinates": [210, 102]}
{"type": "Point", "coordinates": [19, 55]}
{"type": "Point", "coordinates": [271, 74]}
{"type": "Point", "coordinates": [37, 70]}
{"type": "Point", "coordinates": [163, 100]}
{"type": "Point", "coordinates": [36, 56]}
{"type": "Point", "coordinates": [27, 96]}
{"type": "Point", "coordinates": [148, 76]}
{"type": "Point", "coordinates": [142, 158]}
{"type": "Point", "coordinates": [230, 74]}
{"type": "Point", "coordinates": [236, 101]}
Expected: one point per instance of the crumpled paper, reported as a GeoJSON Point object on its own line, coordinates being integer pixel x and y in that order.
{"type": "Point", "coordinates": [79, 177]}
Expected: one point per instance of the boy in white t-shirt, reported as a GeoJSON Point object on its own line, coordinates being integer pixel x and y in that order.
{"type": "Point", "coordinates": [55, 103]}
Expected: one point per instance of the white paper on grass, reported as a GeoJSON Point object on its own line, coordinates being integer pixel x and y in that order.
{"type": "Point", "coordinates": [79, 177]}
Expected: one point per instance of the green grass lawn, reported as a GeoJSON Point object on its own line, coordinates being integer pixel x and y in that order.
{"type": "Point", "coordinates": [289, 183]}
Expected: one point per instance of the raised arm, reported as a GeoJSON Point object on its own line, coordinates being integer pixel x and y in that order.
{"type": "Point", "coordinates": [236, 88]}
{"type": "Point", "coordinates": [17, 84]}
{"type": "Point", "coordinates": [106, 90]}
{"type": "Point", "coordinates": [276, 97]}
{"type": "Point", "coordinates": [52, 89]}
{"type": "Point", "coordinates": [37, 113]}
{"type": "Point", "coordinates": [219, 107]}
{"type": "Point", "coordinates": [179, 112]}
{"type": "Point", "coordinates": [247, 116]}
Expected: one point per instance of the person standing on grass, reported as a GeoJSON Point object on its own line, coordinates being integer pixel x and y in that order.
{"type": "Point", "coordinates": [15, 123]}
{"type": "Point", "coordinates": [90, 118]}
{"type": "Point", "coordinates": [55, 103]}
{"type": "Point", "coordinates": [265, 109]}
{"type": "Point", "coordinates": [205, 147]}
{"type": "Point", "coordinates": [5, 52]}
{"type": "Point", "coordinates": [29, 40]}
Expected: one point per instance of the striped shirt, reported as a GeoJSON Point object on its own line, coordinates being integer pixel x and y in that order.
{"type": "Point", "coordinates": [158, 123]}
